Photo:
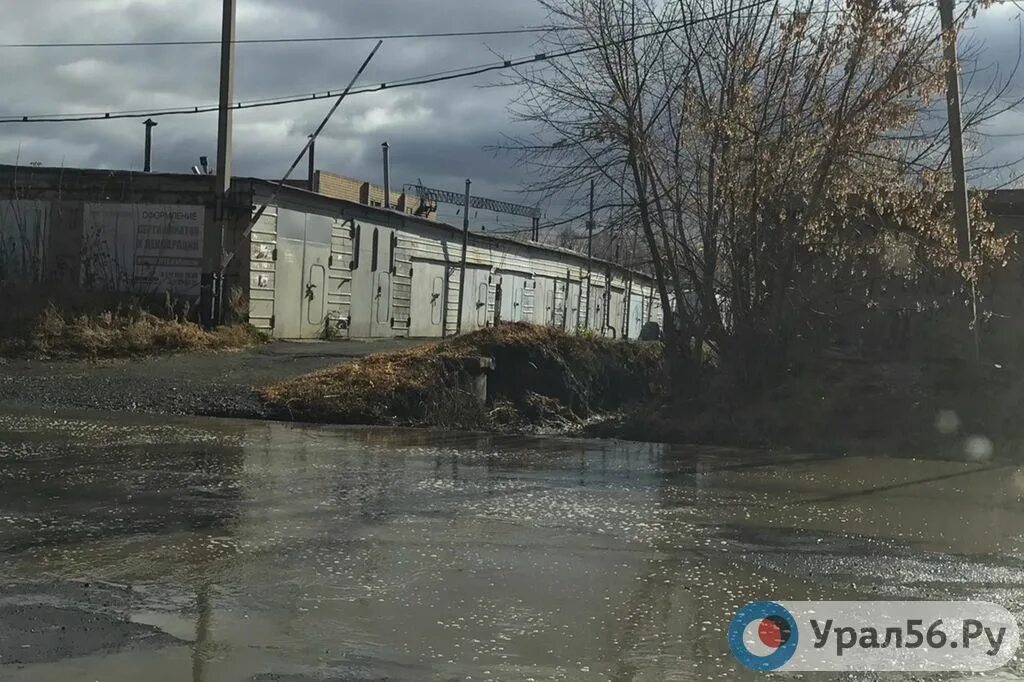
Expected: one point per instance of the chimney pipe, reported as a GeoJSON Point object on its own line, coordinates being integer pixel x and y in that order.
{"type": "Point", "coordinates": [147, 164]}
{"type": "Point", "coordinates": [387, 176]}
{"type": "Point", "coordinates": [311, 177]}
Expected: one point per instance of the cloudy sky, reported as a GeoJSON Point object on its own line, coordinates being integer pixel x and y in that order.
{"type": "Point", "coordinates": [437, 133]}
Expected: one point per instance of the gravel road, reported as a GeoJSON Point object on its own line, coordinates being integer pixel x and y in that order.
{"type": "Point", "coordinates": [212, 384]}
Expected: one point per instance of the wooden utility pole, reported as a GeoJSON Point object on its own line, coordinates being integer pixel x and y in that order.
{"type": "Point", "coordinates": [227, 87]}
{"type": "Point", "coordinates": [215, 245]}
{"type": "Point", "coordinates": [956, 153]}
{"type": "Point", "coordinates": [462, 267]}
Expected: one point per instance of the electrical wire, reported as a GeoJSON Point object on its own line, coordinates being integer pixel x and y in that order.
{"type": "Point", "coordinates": [427, 79]}
{"type": "Point", "coordinates": [327, 39]}
{"type": "Point", "coordinates": [279, 41]}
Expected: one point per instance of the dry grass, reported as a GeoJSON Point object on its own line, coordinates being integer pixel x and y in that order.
{"type": "Point", "coordinates": [377, 389]}
{"type": "Point", "coordinates": [120, 332]}
{"type": "Point", "coordinates": [568, 375]}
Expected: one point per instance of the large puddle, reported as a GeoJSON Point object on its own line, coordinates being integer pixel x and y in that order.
{"type": "Point", "coordinates": [135, 548]}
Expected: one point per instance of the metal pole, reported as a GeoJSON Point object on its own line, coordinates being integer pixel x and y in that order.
{"type": "Point", "coordinates": [565, 301]}
{"type": "Point", "coordinates": [227, 78]}
{"type": "Point", "coordinates": [147, 163]}
{"type": "Point", "coordinates": [311, 156]}
{"type": "Point", "coordinates": [387, 176]}
{"type": "Point", "coordinates": [295, 164]}
{"type": "Point", "coordinates": [956, 153]}
{"type": "Point", "coordinates": [465, 246]}
{"type": "Point", "coordinates": [590, 253]}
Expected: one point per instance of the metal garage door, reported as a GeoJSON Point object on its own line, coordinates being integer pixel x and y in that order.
{"type": "Point", "coordinates": [300, 294]}
{"type": "Point", "coordinates": [428, 299]}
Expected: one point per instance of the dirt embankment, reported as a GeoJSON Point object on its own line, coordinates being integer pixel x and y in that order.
{"type": "Point", "coordinates": [541, 377]}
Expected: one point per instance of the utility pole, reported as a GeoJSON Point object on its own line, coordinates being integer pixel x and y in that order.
{"type": "Point", "coordinates": [311, 154]}
{"type": "Point", "coordinates": [222, 184]}
{"type": "Point", "coordinates": [956, 153]}
{"type": "Point", "coordinates": [147, 163]}
{"type": "Point", "coordinates": [590, 253]}
{"type": "Point", "coordinates": [227, 87]}
{"type": "Point", "coordinates": [465, 246]}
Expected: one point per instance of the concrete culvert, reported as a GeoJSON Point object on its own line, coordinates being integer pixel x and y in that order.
{"type": "Point", "coordinates": [651, 331]}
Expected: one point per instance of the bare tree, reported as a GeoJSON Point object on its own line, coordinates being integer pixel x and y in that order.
{"type": "Point", "coordinates": [765, 146]}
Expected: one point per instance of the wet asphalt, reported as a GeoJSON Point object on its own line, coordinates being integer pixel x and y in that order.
{"type": "Point", "coordinates": [135, 547]}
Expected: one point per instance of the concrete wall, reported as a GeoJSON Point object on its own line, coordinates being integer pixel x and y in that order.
{"type": "Point", "coordinates": [24, 239]}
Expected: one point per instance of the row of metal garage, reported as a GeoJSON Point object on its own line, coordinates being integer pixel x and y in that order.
{"type": "Point", "coordinates": [311, 266]}
{"type": "Point", "coordinates": [325, 267]}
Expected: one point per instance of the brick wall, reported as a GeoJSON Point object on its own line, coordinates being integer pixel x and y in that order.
{"type": "Point", "coordinates": [360, 191]}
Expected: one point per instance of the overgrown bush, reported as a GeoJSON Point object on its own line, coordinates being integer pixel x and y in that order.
{"type": "Point", "coordinates": [96, 324]}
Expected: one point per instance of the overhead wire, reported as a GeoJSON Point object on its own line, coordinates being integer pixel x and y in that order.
{"type": "Point", "coordinates": [292, 40]}
{"type": "Point", "coordinates": [196, 42]}
{"type": "Point", "coordinates": [427, 79]}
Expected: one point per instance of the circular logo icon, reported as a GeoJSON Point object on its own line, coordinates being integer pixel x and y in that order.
{"type": "Point", "coordinates": [763, 635]}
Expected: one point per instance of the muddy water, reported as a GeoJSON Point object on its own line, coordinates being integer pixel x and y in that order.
{"type": "Point", "coordinates": [136, 548]}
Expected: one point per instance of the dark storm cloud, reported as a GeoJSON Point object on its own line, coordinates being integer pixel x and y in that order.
{"type": "Point", "coordinates": [438, 133]}
{"type": "Point", "coordinates": [992, 51]}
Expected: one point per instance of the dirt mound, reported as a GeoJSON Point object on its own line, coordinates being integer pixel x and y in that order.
{"type": "Point", "coordinates": [541, 374]}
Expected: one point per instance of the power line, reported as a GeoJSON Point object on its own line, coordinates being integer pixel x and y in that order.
{"type": "Point", "coordinates": [303, 39]}
{"type": "Point", "coordinates": [332, 39]}
{"type": "Point", "coordinates": [277, 41]}
{"type": "Point", "coordinates": [401, 83]}
{"type": "Point", "coordinates": [564, 221]}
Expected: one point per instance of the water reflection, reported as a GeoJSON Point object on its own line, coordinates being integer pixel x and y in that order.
{"type": "Point", "coordinates": [288, 552]}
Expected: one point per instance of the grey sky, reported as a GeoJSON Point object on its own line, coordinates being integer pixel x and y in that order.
{"type": "Point", "coordinates": [437, 133]}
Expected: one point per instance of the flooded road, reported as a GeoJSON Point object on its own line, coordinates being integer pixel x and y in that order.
{"type": "Point", "coordinates": [145, 548]}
